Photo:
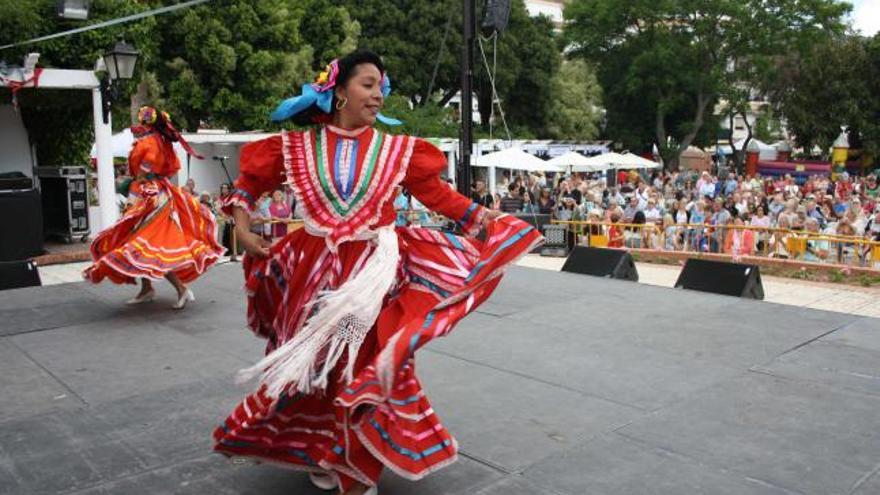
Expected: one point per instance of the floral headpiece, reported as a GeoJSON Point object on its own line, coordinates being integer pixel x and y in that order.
{"type": "Point", "coordinates": [150, 119]}
{"type": "Point", "coordinates": [320, 94]}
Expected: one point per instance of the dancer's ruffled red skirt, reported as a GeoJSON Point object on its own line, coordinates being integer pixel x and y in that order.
{"type": "Point", "coordinates": [381, 419]}
{"type": "Point", "coordinates": [165, 231]}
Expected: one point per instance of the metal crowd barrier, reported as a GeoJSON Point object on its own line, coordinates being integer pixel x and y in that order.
{"type": "Point", "coordinates": [737, 240]}
{"type": "Point", "coordinates": [292, 224]}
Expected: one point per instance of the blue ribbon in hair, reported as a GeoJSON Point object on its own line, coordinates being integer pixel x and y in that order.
{"type": "Point", "coordinates": [322, 97]}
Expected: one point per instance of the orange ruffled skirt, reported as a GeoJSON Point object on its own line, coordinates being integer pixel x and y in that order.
{"type": "Point", "coordinates": [165, 231]}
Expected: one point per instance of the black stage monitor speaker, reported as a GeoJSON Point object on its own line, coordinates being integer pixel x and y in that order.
{"type": "Point", "coordinates": [21, 225]}
{"type": "Point", "coordinates": [732, 279]}
{"type": "Point", "coordinates": [15, 181]}
{"type": "Point", "coordinates": [611, 263]}
{"type": "Point", "coordinates": [17, 274]}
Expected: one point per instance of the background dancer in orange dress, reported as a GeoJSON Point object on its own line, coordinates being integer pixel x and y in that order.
{"type": "Point", "coordinates": [347, 300]}
{"type": "Point", "coordinates": [166, 232]}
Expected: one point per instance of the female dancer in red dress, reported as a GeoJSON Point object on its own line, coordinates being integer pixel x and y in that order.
{"type": "Point", "coordinates": [346, 301]}
{"type": "Point", "coordinates": [166, 232]}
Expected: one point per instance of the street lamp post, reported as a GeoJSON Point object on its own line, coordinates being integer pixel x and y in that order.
{"type": "Point", "coordinates": [120, 63]}
{"type": "Point", "coordinates": [463, 175]}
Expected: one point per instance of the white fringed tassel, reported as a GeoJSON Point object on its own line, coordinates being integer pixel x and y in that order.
{"type": "Point", "coordinates": [343, 318]}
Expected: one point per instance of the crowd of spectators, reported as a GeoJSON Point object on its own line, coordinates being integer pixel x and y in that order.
{"type": "Point", "coordinates": [680, 211]}
{"type": "Point", "coordinates": [699, 211]}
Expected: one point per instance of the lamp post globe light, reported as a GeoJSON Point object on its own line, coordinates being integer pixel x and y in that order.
{"type": "Point", "coordinates": [119, 62]}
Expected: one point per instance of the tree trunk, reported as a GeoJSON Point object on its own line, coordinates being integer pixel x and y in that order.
{"type": "Point", "coordinates": [740, 163]}
{"type": "Point", "coordinates": [739, 155]}
{"type": "Point", "coordinates": [447, 97]}
{"type": "Point", "coordinates": [702, 102]}
{"type": "Point", "coordinates": [670, 160]}
{"type": "Point", "coordinates": [734, 153]}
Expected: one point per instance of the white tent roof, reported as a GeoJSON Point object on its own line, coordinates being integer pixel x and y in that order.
{"type": "Point", "coordinates": [625, 160]}
{"type": "Point", "coordinates": [121, 144]}
{"type": "Point", "coordinates": [577, 162]}
{"type": "Point", "coordinates": [515, 159]}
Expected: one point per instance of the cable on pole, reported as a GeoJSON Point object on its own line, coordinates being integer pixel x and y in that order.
{"type": "Point", "coordinates": [111, 22]}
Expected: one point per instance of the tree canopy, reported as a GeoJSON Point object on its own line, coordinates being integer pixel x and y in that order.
{"type": "Point", "coordinates": [227, 64]}
{"type": "Point", "coordinates": [59, 122]}
{"type": "Point", "coordinates": [664, 65]}
{"type": "Point", "coordinates": [420, 42]}
{"type": "Point", "coordinates": [575, 110]}
{"type": "Point", "coordinates": [830, 86]}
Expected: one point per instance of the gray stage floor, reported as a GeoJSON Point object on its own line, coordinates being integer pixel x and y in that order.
{"type": "Point", "coordinates": [561, 384]}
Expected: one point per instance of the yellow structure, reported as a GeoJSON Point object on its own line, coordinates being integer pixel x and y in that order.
{"type": "Point", "coordinates": [839, 155]}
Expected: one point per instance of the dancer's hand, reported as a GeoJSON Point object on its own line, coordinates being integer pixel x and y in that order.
{"type": "Point", "coordinates": [253, 244]}
{"type": "Point", "coordinates": [491, 215]}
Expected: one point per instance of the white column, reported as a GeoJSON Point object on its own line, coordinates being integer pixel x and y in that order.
{"type": "Point", "coordinates": [181, 177]}
{"type": "Point", "coordinates": [104, 156]}
{"type": "Point", "coordinates": [492, 186]}
{"type": "Point", "coordinates": [450, 165]}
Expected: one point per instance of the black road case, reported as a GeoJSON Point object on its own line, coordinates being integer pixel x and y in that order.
{"type": "Point", "coordinates": [65, 193]}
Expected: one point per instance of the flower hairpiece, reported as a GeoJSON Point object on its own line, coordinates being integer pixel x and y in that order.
{"type": "Point", "coordinates": [320, 94]}
{"type": "Point", "coordinates": [326, 80]}
{"type": "Point", "coordinates": [147, 115]}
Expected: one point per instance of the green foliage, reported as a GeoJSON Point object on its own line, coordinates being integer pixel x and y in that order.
{"type": "Point", "coordinates": [227, 64]}
{"type": "Point", "coordinates": [59, 122]}
{"type": "Point", "coordinates": [868, 125]}
{"type": "Point", "coordinates": [835, 84]}
{"type": "Point", "coordinates": [866, 280]}
{"type": "Point", "coordinates": [768, 128]}
{"type": "Point", "coordinates": [528, 57]}
{"type": "Point", "coordinates": [424, 121]}
{"type": "Point", "coordinates": [408, 34]}
{"type": "Point", "coordinates": [822, 89]}
{"type": "Point", "coordinates": [575, 112]}
{"type": "Point", "coordinates": [664, 65]}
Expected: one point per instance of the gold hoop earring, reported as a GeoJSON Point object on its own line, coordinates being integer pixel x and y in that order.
{"type": "Point", "coordinates": [340, 103]}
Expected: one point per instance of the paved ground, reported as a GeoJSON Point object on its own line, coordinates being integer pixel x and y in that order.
{"type": "Point", "coordinates": [842, 298]}
{"type": "Point", "coordinates": [560, 384]}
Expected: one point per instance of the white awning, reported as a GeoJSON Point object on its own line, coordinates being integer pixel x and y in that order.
{"type": "Point", "coordinates": [622, 161]}
{"type": "Point", "coordinates": [577, 162]}
{"type": "Point", "coordinates": [514, 159]}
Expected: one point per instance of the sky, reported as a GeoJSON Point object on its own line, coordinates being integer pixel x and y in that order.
{"type": "Point", "coordinates": [865, 16]}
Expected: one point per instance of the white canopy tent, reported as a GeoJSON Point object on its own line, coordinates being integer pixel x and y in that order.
{"type": "Point", "coordinates": [514, 159]}
{"type": "Point", "coordinates": [576, 162]}
{"type": "Point", "coordinates": [622, 161]}
{"type": "Point", "coordinates": [120, 145]}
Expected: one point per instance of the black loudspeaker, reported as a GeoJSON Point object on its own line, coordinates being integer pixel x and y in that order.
{"type": "Point", "coordinates": [732, 279]}
{"type": "Point", "coordinates": [17, 274]}
{"type": "Point", "coordinates": [495, 16]}
{"type": "Point", "coordinates": [611, 263]}
{"type": "Point", "coordinates": [21, 225]}
{"type": "Point", "coordinates": [15, 181]}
